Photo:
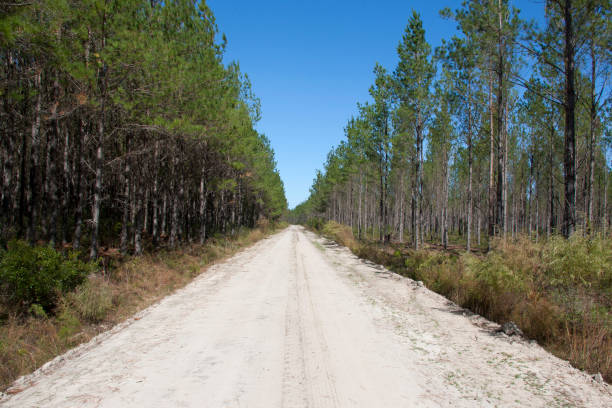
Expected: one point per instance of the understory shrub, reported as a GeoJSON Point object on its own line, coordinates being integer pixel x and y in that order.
{"type": "Point", "coordinates": [38, 275]}
{"type": "Point", "coordinates": [579, 261]}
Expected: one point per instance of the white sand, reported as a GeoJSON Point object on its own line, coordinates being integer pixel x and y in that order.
{"type": "Point", "coordinates": [295, 322]}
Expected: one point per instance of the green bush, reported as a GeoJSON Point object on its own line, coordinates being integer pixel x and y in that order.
{"type": "Point", "coordinates": [38, 274]}
{"type": "Point", "coordinates": [579, 261]}
{"type": "Point", "coordinates": [440, 273]}
{"type": "Point", "coordinates": [413, 262]}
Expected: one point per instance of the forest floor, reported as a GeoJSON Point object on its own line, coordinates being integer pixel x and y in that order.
{"type": "Point", "coordinates": [295, 321]}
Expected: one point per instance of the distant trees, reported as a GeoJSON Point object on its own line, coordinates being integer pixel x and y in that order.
{"type": "Point", "coordinates": [122, 126]}
{"type": "Point", "coordinates": [479, 125]}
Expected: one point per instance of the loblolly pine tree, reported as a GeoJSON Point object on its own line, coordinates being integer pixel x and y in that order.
{"type": "Point", "coordinates": [413, 77]}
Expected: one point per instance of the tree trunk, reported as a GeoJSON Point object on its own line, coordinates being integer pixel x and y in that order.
{"type": "Point", "coordinates": [52, 176]}
{"type": "Point", "coordinates": [469, 187]}
{"type": "Point", "coordinates": [145, 217]}
{"type": "Point", "coordinates": [202, 206]}
{"type": "Point", "coordinates": [34, 178]}
{"type": "Point", "coordinates": [569, 157]}
{"type": "Point", "coordinates": [604, 215]}
{"type": "Point", "coordinates": [99, 163]}
{"type": "Point", "coordinates": [592, 124]}
{"type": "Point", "coordinates": [445, 201]}
{"type": "Point", "coordinates": [491, 220]}
{"type": "Point", "coordinates": [505, 172]}
{"type": "Point", "coordinates": [154, 196]}
{"type": "Point", "coordinates": [22, 182]}
{"type": "Point", "coordinates": [401, 210]}
{"type": "Point", "coordinates": [175, 198]}
{"type": "Point", "coordinates": [125, 217]}
{"type": "Point", "coordinates": [67, 189]}
{"type": "Point", "coordinates": [359, 215]}
{"type": "Point", "coordinates": [381, 203]}
{"type": "Point", "coordinates": [551, 180]}
{"type": "Point", "coordinates": [139, 224]}
{"type": "Point", "coordinates": [80, 190]}
{"type": "Point", "coordinates": [164, 214]}
{"type": "Point", "coordinates": [417, 190]}
{"type": "Point", "coordinates": [97, 199]}
{"type": "Point", "coordinates": [500, 121]}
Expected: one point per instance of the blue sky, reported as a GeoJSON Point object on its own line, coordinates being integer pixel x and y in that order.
{"type": "Point", "coordinates": [311, 61]}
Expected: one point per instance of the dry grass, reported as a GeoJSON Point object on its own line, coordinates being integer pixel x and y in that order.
{"type": "Point", "coordinates": [558, 292]}
{"type": "Point", "coordinates": [27, 342]}
{"type": "Point", "coordinates": [341, 234]}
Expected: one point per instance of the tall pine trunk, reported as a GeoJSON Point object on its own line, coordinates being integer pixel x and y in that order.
{"type": "Point", "coordinates": [592, 124]}
{"type": "Point", "coordinates": [52, 176]}
{"type": "Point", "coordinates": [491, 218]}
{"type": "Point", "coordinates": [500, 122]}
{"type": "Point", "coordinates": [416, 205]}
{"type": "Point", "coordinates": [125, 217]}
{"type": "Point", "coordinates": [139, 221]}
{"type": "Point", "coordinates": [469, 186]}
{"type": "Point", "coordinates": [80, 188]}
{"type": "Point", "coordinates": [154, 196]}
{"type": "Point", "coordinates": [34, 179]}
{"type": "Point", "coordinates": [569, 156]}
{"type": "Point", "coordinates": [202, 211]}
{"type": "Point", "coordinates": [99, 161]}
{"type": "Point", "coordinates": [175, 202]}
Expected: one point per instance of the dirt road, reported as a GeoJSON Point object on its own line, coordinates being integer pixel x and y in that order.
{"type": "Point", "coordinates": [295, 321]}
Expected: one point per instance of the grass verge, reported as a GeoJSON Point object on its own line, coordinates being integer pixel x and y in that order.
{"type": "Point", "coordinates": [559, 292]}
{"type": "Point", "coordinates": [29, 340]}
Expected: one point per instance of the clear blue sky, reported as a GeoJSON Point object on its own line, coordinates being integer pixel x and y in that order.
{"type": "Point", "coordinates": [311, 61]}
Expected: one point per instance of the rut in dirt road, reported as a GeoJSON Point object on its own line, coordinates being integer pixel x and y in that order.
{"type": "Point", "coordinates": [295, 321]}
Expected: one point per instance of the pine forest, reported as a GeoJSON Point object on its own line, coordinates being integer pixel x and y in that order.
{"type": "Point", "coordinates": [503, 130]}
{"type": "Point", "coordinates": [122, 127]}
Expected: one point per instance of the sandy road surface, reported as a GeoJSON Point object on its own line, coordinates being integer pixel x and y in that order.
{"type": "Point", "coordinates": [295, 321]}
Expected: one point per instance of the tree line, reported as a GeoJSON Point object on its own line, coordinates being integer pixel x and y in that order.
{"type": "Point", "coordinates": [121, 126]}
{"type": "Point", "coordinates": [504, 129]}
